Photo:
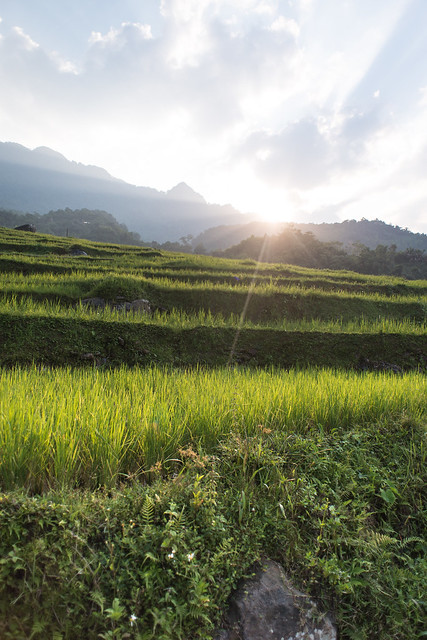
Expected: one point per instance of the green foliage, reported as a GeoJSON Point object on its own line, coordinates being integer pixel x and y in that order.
{"type": "Point", "coordinates": [113, 286]}
{"type": "Point", "coordinates": [89, 427]}
{"type": "Point", "coordinates": [135, 498]}
{"type": "Point", "coordinates": [160, 560]}
{"type": "Point", "coordinates": [79, 223]}
{"type": "Point", "coordinates": [295, 247]}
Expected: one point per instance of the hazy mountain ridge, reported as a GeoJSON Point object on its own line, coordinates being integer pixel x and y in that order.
{"type": "Point", "coordinates": [370, 233]}
{"type": "Point", "coordinates": [43, 180]}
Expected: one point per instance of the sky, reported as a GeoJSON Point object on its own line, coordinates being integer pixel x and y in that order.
{"type": "Point", "coordinates": [293, 110]}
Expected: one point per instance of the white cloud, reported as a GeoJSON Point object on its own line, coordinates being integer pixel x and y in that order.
{"type": "Point", "coordinates": [25, 40]}
{"type": "Point", "coordinates": [255, 101]}
{"type": "Point", "coordinates": [288, 25]}
{"type": "Point", "coordinates": [118, 36]}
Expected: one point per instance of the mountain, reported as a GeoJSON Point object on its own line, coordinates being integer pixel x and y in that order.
{"type": "Point", "coordinates": [370, 233]}
{"type": "Point", "coordinates": [42, 180]}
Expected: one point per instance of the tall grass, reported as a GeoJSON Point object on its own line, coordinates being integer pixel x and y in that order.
{"type": "Point", "coordinates": [91, 428]}
{"type": "Point", "coordinates": [179, 319]}
{"type": "Point", "coordinates": [81, 283]}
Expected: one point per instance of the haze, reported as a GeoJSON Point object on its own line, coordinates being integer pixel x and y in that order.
{"type": "Point", "coordinates": [303, 110]}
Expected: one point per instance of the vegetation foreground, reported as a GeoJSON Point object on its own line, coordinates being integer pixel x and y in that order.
{"type": "Point", "coordinates": [134, 498]}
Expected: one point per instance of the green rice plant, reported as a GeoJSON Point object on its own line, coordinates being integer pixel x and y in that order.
{"type": "Point", "coordinates": [180, 319]}
{"type": "Point", "coordinates": [107, 281]}
{"type": "Point", "coordinates": [92, 428]}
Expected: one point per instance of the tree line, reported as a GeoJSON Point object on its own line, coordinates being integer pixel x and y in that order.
{"type": "Point", "coordinates": [85, 224]}
{"type": "Point", "coordinates": [291, 246]}
{"type": "Point", "coordinates": [304, 249]}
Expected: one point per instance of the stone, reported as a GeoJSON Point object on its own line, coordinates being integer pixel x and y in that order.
{"type": "Point", "coordinates": [121, 306]}
{"type": "Point", "coordinates": [26, 227]}
{"type": "Point", "coordinates": [96, 303]}
{"type": "Point", "coordinates": [268, 606]}
{"type": "Point", "coordinates": [364, 364]}
{"type": "Point", "coordinates": [87, 356]}
{"type": "Point", "coordinates": [141, 306]}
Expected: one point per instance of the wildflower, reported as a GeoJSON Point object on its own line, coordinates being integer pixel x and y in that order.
{"type": "Point", "coordinates": [171, 554]}
{"type": "Point", "coordinates": [133, 619]}
{"type": "Point", "coordinates": [190, 556]}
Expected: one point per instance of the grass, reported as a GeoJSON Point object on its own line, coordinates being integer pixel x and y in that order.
{"type": "Point", "coordinates": [89, 428]}
{"type": "Point", "coordinates": [84, 282]}
{"type": "Point", "coordinates": [133, 498]}
{"type": "Point", "coordinates": [341, 510]}
{"type": "Point", "coordinates": [179, 319]}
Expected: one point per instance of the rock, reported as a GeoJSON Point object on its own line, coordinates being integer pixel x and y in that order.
{"type": "Point", "coordinates": [364, 364]}
{"type": "Point", "coordinates": [87, 356]}
{"type": "Point", "coordinates": [121, 306]}
{"type": "Point", "coordinates": [141, 306]}
{"type": "Point", "coordinates": [268, 606]}
{"type": "Point", "coordinates": [96, 303]}
{"type": "Point", "coordinates": [78, 252]}
{"type": "Point", "coordinates": [26, 227]}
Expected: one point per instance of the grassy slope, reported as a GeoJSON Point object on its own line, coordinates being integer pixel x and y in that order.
{"type": "Point", "coordinates": [39, 268]}
{"type": "Point", "coordinates": [338, 497]}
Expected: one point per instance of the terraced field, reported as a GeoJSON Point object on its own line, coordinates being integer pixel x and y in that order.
{"type": "Point", "coordinates": [203, 310]}
{"type": "Point", "coordinates": [167, 421]}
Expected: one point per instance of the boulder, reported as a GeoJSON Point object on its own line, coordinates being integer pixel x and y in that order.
{"type": "Point", "coordinates": [141, 306]}
{"type": "Point", "coordinates": [268, 607]}
{"type": "Point", "coordinates": [96, 303]}
{"type": "Point", "coordinates": [121, 306]}
{"type": "Point", "coordinates": [26, 227]}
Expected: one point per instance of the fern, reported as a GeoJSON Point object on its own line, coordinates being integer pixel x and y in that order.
{"type": "Point", "coordinates": [380, 542]}
{"type": "Point", "coordinates": [404, 543]}
{"type": "Point", "coordinates": [147, 511]}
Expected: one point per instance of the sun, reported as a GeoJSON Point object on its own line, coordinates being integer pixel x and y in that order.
{"type": "Point", "coordinates": [270, 205]}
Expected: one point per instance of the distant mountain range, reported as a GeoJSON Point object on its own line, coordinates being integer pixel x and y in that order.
{"type": "Point", "coordinates": [370, 233]}
{"type": "Point", "coordinates": [42, 180]}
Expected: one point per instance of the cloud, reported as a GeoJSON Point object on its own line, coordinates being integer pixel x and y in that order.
{"type": "Point", "coordinates": [299, 156]}
{"type": "Point", "coordinates": [288, 99]}
{"type": "Point", "coordinates": [314, 150]}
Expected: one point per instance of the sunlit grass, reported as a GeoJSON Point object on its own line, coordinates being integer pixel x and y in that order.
{"type": "Point", "coordinates": [80, 283]}
{"type": "Point", "coordinates": [90, 428]}
{"type": "Point", "coordinates": [179, 319]}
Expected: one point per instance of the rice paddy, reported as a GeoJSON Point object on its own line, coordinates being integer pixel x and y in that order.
{"type": "Point", "coordinates": [89, 427]}
{"type": "Point", "coordinates": [148, 459]}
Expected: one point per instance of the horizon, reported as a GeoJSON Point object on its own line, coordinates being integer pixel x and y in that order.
{"type": "Point", "coordinates": [272, 226]}
{"type": "Point", "coordinates": [291, 112]}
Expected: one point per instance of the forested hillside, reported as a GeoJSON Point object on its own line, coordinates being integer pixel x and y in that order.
{"type": "Point", "coordinates": [290, 246]}
{"type": "Point", "coordinates": [370, 233]}
{"type": "Point", "coordinates": [81, 223]}
{"type": "Point", "coordinates": [304, 249]}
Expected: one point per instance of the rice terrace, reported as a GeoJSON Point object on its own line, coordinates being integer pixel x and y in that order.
{"type": "Point", "coordinates": [169, 420]}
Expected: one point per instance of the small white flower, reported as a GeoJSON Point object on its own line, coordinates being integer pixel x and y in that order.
{"type": "Point", "coordinates": [133, 619]}
{"type": "Point", "coordinates": [190, 556]}
{"type": "Point", "coordinates": [171, 554]}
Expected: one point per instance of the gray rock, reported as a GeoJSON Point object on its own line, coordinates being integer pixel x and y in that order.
{"type": "Point", "coordinates": [268, 606]}
{"type": "Point", "coordinates": [121, 306]}
{"type": "Point", "coordinates": [26, 227]}
{"type": "Point", "coordinates": [141, 306]}
{"type": "Point", "coordinates": [87, 356]}
{"type": "Point", "coordinates": [96, 303]}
